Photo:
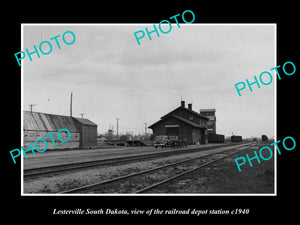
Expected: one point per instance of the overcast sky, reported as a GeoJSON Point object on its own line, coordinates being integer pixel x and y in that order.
{"type": "Point", "coordinates": [111, 76]}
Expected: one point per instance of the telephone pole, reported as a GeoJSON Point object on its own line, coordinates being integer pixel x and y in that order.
{"type": "Point", "coordinates": [71, 104]}
{"type": "Point", "coordinates": [146, 130]}
{"type": "Point", "coordinates": [81, 114]}
{"type": "Point", "coordinates": [117, 127]}
{"type": "Point", "coordinates": [31, 105]}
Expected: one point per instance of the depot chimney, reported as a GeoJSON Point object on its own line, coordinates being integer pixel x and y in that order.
{"type": "Point", "coordinates": [183, 104]}
{"type": "Point", "coordinates": [190, 106]}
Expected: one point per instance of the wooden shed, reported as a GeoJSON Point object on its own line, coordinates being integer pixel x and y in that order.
{"type": "Point", "coordinates": [88, 132]}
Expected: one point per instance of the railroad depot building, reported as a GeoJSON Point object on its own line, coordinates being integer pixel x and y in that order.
{"type": "Point", "coordinates": [38, 125]}
{"type": "Point", "coordinates": [183, 122]}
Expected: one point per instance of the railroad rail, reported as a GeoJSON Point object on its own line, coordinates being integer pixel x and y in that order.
{"type": "Point", "coordinates": [42, 171]}
{"type": "Point", "coordinates": [172, 166]}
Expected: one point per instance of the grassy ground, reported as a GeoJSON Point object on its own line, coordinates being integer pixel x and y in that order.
{"type": "Point", "coordinates": [224, 177]}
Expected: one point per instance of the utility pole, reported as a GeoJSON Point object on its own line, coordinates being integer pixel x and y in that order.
{"type": "Point", "coordinates": [71, 104]}
{"type": "Point", "coordinates": [117, 127]}
{"type": "Point", "coordinates": [81, 114]}
{"type": "Point", "coordinates": [146, 130]}
{"type": "Point", "coordinates": [31, 105]}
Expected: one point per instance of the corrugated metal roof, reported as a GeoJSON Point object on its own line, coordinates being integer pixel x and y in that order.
{"type": "Point", "coordinates": [85, 121]}
{"type": "Point", "coordinates": [47, 122]}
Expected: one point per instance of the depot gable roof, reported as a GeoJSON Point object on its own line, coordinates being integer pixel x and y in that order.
{"type": "Point", "coordinates": [186, 109]}
{"type": "Point", "coordinates": [195, 125]}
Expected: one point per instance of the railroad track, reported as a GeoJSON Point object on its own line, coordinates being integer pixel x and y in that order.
{"type": "Point", "coordinates": [50, 170]}
{"type": "Point", "coordinates": [146, 180]}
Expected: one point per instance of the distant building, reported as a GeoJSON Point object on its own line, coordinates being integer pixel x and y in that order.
{"type": "Point", "coordinates": [184, 123]}
{"type": "Point", "coordinates": [235, 138]}
{"type": "Point", "coordinates": [110, 134]}
{"type": "Point", "coordinates": [38, 125]}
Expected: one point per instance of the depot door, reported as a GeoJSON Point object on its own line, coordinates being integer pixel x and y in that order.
{"type": "Point", "coordinates": [172, 130]}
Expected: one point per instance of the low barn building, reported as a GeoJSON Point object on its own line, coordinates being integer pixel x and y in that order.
{"type": "Point", "coordinates": [184, 123]}
{"type": "Point", "coordinates": [37, 125]}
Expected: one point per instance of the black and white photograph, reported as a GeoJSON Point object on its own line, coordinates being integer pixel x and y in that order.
{"type": "Point", "coordinates": [109, 112]}
{"type": "Point", "coordinates": [140, 112]}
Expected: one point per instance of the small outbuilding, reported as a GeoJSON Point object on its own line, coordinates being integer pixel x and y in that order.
{"type": "Point", "coordinates": [88, 132]}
